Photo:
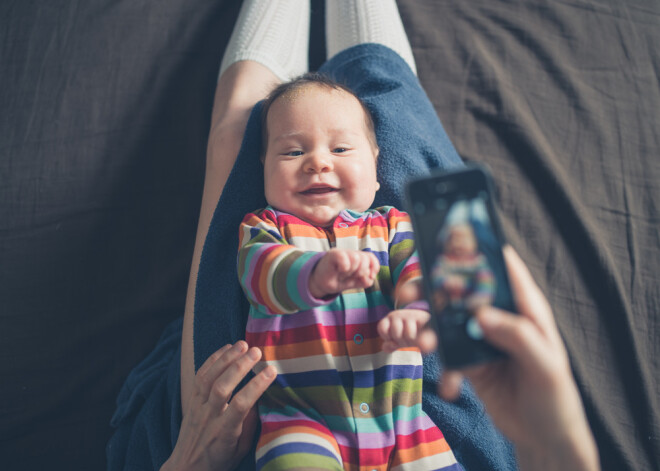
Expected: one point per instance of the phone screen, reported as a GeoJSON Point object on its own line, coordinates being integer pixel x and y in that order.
{"type": "Point", "coordinates": [460, 246]}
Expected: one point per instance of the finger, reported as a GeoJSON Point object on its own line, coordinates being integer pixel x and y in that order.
{"type": "Point", "coordinates": [383, 328]}
{"type": "Point", "coordinates": [374, 264]}
{"type": "Point", "coordinates": [427, 341]}
{"type": "Point", "coordinates": [244, 400]}
{"type": "Point", "coordinates": [367, 278]}
{"type": "Point", "coordinates": [450, 384]}
{"type": "Point", "coordinates": [342, 261]}
{"type": "Point", "coordinates": [365, 268]}
{"type": "Point", "coordinates": [409, 330]}
{"type": "Point", "coordinates": [419, 316]}
{"type": "Point", "coordinates": [224, 385]}
{"type": "Point", "coordinates": [396, 328]}
{"type": "Point", "coordinates": [529, 299]}
{"type": "Point", "coordinates": [516, 335]}
{"type": "Point", "coordinates": [363, 263]}
{"type": "Point", "coordinates": [215, 356]}
{"type": "Point", "coordinates": [414, 320]}
{"type": "Point", "coordinates": [355, 262]}
{"type": "Point", "coordinates": [409, 292]}
{"type": "Point", "coordinates": [214, 366]}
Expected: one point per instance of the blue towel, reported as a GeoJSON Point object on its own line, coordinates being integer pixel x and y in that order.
{"type": "Point", "coordinates": [148, 414]}
{"type": "Point", "coordinates": [412, 141]}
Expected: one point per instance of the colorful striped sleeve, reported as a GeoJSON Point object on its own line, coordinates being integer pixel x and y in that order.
{"type": "Point", "coordinates": [403, 258]}
{"type": "Point", "coordinates": [273, 274]}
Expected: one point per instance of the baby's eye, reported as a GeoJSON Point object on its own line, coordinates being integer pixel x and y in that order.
{"type": "Point", "coordinates": [339, 150]}
{"type": "Point", "coordinates": [294, 153]}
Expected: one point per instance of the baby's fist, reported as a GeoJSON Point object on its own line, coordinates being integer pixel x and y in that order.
{"type": "Point", "coordinates": [402, 328]}
{"type": "Point", "coordinates": [341, 269]}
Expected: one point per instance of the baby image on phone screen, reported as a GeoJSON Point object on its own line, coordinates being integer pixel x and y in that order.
{"type": "Point", "coordinates": [461, 275]}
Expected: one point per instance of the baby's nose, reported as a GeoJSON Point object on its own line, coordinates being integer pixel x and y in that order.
{"type": "Point", "coordinates": [318, 162]}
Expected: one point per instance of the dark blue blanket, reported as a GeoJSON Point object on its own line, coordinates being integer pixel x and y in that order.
{"type": "Point", "coordinates": [412, 141]}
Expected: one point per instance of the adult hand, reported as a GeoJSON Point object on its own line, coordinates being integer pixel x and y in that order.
{"type": "Point", "coordinates": [217, 429]}
{"type": "Point", "coordinates": [531, 395]}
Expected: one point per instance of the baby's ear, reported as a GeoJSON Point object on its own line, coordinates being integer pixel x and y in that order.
{"type": "Point", "coordinates": [377, 186]}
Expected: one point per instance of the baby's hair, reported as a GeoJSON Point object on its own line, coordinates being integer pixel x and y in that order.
{"type": "Point", "coordinates": [305, 80]}
{"type": "Point", "coordinates": [445, 232]}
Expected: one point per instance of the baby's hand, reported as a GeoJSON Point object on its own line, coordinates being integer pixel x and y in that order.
{"type": "Point", "coordinates": [340, 269]}
{"type": "Point", "coordinates": [401, 328]}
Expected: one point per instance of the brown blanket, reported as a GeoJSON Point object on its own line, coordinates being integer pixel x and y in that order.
{"type": "Point", "coordinates": [105, 113]}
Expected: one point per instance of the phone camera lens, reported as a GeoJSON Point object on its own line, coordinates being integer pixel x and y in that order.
{"type": "Point", "coordinates": [441, 187]}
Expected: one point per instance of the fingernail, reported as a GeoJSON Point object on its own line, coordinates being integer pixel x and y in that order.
{"type": "Point", "coordinates": [254, 354]}
{"type": "Point", "coordinates": [269, 372]}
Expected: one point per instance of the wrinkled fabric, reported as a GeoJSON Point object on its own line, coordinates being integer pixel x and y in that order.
{"type": "Point", "coordinates": [106, 110]}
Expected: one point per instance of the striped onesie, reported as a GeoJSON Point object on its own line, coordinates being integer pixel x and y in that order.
{"type": "Point", "coordinates": [339, 401]}
{"type": "Point", "coordinates": [477, 282]}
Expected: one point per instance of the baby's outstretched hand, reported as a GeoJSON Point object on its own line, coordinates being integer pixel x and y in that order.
{"type": "Point", "coordinates": [401, 328]}
{"type": "Point", "coordinates": [340, 269]}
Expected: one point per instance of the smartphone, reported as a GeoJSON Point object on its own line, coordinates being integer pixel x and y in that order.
{"type": "Point", "coordinates": [459, 241]}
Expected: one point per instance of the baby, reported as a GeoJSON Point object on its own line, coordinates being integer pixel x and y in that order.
{"type": "Point", "coordinates": [320, 270]}
{"type": "Point", "coordinates": [461, 276]}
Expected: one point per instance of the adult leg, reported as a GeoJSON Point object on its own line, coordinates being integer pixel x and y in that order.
{"type": "Point", "coordinates": [353, 22]}
{"type": "Point", "coordinates": [241, 86]}
{"type": "Point", "coordinates": [273, 33]}
{"type": "Point", "coordinates": [261, 53]}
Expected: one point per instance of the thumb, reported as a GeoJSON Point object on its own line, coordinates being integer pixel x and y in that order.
{"type": "Point", "coordinates": [409, 292]}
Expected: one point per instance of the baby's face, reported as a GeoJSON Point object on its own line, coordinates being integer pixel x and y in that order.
{"type": "Point", "coordinates": [461, 240]}
{"type": "Point", "coordinates": [319, 159]}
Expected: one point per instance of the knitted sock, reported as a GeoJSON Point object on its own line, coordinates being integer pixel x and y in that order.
{"type": "Point", "coordinates": [274, 33]}
{"type": "Point", "coordinates": [351, 22]}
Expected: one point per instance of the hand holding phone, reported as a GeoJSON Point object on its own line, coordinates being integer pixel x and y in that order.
{"type": "Point", "coordinates": [531, 396]}
{"type": "Point", "coordinates": [459, 241]}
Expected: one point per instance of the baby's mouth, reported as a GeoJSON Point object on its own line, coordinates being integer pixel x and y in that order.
{"type": "Point", "coordinates": [319, 190]}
